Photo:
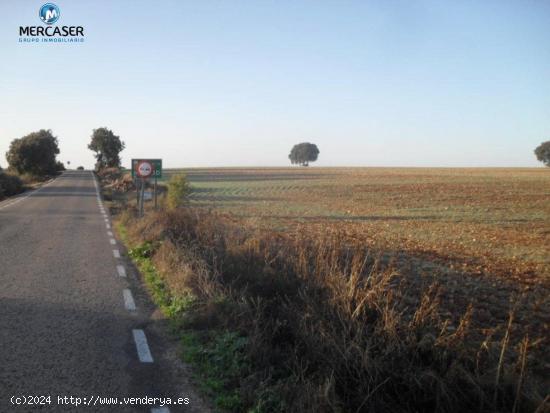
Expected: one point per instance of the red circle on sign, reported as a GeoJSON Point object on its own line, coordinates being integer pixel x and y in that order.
{"type": "Point", "coordinates": [144, 169]}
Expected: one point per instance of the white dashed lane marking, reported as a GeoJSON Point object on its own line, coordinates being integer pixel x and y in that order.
{"type": "Point", "coordinates": [142, 347]}
{"type": "Point", "coordinates": [144, 354]}
{"type": "Point", "coordinates": [129, 302]}
{"type": "Point", "coordinates": [121, 270]}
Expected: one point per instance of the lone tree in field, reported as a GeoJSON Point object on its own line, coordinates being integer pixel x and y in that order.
{"type": "Point", "coordinates": [107, 147]}
{"type": "Point", "coordinates": [303, 153]}
{"type": "Point", "coordinates": [34, 154]}
{"type": "Point", "coordinates": [543, 153]}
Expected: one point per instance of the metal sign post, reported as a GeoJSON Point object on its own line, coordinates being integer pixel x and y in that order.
{"type": "Point", "coordinates": [136, 183]}
{"type": "Point", "coordinates": [142, 197]}
{"type": "Point", "coordinates": [155, 190]}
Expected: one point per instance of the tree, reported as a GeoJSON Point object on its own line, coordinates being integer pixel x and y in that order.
{"type": "Point", "coordinates": [303, 153]}
{"type": "Point", "coordinates": [34, 154]}
{"type": "Point", "coordinates": [543, 153]}
{"type": "Point", "coordinates": [107, 147]}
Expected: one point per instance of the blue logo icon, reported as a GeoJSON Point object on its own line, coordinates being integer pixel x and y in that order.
{"type": "Point", "coordinates": [49, 13]}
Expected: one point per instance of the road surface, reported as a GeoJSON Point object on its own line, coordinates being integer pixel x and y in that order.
{"type": "Point", "coordinates": [74, 320]}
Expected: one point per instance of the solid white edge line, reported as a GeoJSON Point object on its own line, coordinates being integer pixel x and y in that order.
{"type": "Point", "coordinates": [121, 270]}
{"type": "Point", "coordinates": [129, 302]}
{"type": "Point", "coordinates": [144, 354]}
{"type": "Point", "coordinates": [116, 253]}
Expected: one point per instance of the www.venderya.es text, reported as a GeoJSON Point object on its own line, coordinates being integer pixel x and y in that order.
{"type": "Point", "coordinates": [95, 400]}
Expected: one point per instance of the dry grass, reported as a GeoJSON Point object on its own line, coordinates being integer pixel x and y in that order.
{"type": "Point", "coordinates": [331, 326]}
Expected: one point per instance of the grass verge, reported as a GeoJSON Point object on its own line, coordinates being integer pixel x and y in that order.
{"type": "Point", "coordinates": [287, 323]}
{"type": "Point", "coordinates": [216, 355]}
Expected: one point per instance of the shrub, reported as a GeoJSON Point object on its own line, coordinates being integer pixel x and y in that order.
{"type": "Point", "coordinates": [34, 154]}
{"type": "Point", "coordinates": [178, 190]}
{"type": "Point", "coordinates": [10, 185]}
{"type": "Point", "coordinates": [80, 168]}
{"type": "Point", "coordinates": [31, 179]}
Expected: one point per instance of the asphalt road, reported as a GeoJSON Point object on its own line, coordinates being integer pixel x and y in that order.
{"type": "Point", "coordinates": [65, 329]}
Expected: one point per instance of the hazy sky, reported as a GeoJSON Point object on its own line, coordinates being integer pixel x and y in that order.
{"type": "Point", "coordinates": [228, 83]}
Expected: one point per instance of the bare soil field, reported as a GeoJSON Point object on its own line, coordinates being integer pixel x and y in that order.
{"type": "Point", "coordinates": [493, 221]}
{"type": "Point", "coordinates": [482, 233]}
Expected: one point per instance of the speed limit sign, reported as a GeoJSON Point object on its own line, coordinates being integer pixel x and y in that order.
{"type": "Point", "coordinates": [144, 169]}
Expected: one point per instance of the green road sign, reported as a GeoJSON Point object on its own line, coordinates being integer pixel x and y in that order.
{"type": "Point", "coordinates": [146, 168]}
